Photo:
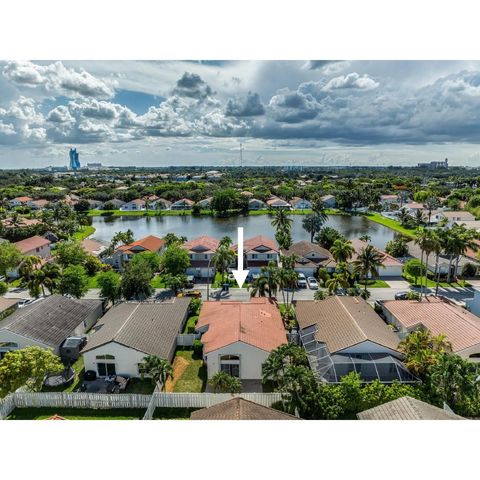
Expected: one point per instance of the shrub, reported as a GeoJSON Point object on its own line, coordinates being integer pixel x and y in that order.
{"type": "Point", "coordinates": [469, 270]}
{"type": "Point", "coordinates": [3, 288]}
{"type": "Point", "coordinates": [195, 306]}
{"type": "Point", "coordinates": [192, 321]}
{"type": "Point", "coordinates": [197, 348]}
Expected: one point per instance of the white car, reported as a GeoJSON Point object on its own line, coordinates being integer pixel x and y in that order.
{"type": "Point", "coordinates": [312, 283]}
{"type": "Point", "coordinates": [301, 281]}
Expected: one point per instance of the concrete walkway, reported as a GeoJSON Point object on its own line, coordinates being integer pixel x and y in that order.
{"type": "Point", "coordinates": [398, 284]}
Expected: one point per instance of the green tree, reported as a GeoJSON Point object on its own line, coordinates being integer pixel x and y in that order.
{"type": "Point", "coordinates": [27, 367]}
{"type": "Point", "coordinates": [414, 268]}
{"type": "Point", "coordinates": [110, 285]}
{"type": "Point", "coordinates": [313, 223]}
{"type": "Point", "coordinates": [342, 250]}
{"type": "Point", "coordinates": [136, 280]}
{"type": "Point", "coordinates": [158, 369]}
{"type": "Point", "coordinates": [174, 260]}
{"type": "Point", "coordinates": [336, 282]}
{"type": "Point", "coordinates": [74, 281]}
{"type": "Point", "coordinates": [223, 201]}
{"type": "Point", "coordinates": [222, 259]}
{"type": "Point", "coordinates": [397, 247]}
{"type": "Point", "coordinates": [326, 237]}
{"type": "Point", "coordinates": [175, 282]}
{"type": "Point", "coordinates": [222, 382]}
{"type": "Point", "coordinates": [153, 259]}
{"type": "Point", "coordinates": [368, 262]}
{"type": "Point", "coordinates": [10, 257]}
{"type": "Point", "coordinates": [70, 252]}
{"type": "Point", "coordinates": [92, 265]}
{"type": "Point", "coordinates": [171, 239]}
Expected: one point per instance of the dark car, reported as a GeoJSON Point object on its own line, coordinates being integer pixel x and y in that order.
{"type": "Point", "coordinates": [401, 296]}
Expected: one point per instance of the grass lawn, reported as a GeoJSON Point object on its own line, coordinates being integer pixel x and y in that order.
{"type": "Point", "coordinates": [15, 283]}
{"type": "Point", "coordinates": [79, 368]}
{"type": "Point", "coordinates": [157, 282]}
{"type": "Point", "coordinates": [77, 413]}
{"type": "Point", "coordinates": [388, 222]}
{"type": "Point", "coordinates": [83, 232]}
{"type": "Point", "coordinates": [190, 324]}
{"type": "Point", "coordinates": [217, 282]}
{"type": "Point", "coordinates": [433, 284]}
{"type": "Point", "coordinates": [190, 375]}
{"type": "Point", "coordinates": [173, 413]}
{"type": "Point", "coordinates": [143, 387]}
{"type": "Point", "coordinates": [374, 284]}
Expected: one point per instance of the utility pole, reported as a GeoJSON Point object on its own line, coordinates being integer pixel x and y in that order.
{"type": "Point", "coordinates": [241, 155]}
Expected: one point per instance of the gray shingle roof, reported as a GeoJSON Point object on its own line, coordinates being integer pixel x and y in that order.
{"type": "Point", "coordinates": [240, 409]}
{"type": "Point", "coordinates": [407, 408]}
{"type": "Point", "coordinates": [151, 328]}
{"type": "Point", "coordinates": [51, 319]}
{"type": "Point", "coordinates": [343, 322]}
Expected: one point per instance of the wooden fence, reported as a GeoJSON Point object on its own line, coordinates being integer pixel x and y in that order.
{"type": "Point", "coordinates": [126, 400]}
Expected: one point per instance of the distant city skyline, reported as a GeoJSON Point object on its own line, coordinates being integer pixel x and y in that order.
{"type": "Point", "coordinates": [196, 113]}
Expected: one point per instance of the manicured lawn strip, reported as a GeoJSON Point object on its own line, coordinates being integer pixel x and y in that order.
{"type": "Point", "coordinates": [217, 281]}
{"type": "Point", "coordinates": [83, 233]}
{"type": "Point", "coordinates": [374, 284]}
{"type": "Point", "coordinates": [162, 413]}
{"type": "Point", "coordinates": [77, 413]}
{"type": "Point", "coordinates": [194, 378]}
{"type": "Point", "coordinates": [190, 324]}
{"type": "Point", "coordinates": [388, 222]}
{"type": "Point", "coordinates": [431, 283]}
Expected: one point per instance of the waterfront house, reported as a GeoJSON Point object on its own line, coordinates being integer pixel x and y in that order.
{"type": "Point", "coordinates": [342, 334]}
{"type": "Point", "coordinates": [391, 266]}
{"type": "Point", "coordinates": [117, 203]}
{"type": "Point", "coordinates": [205, 203]}
{"type": "Point", "coordinates": [200, 251]}
{"type": "Point", "coordinates": [131, 331]}
{"type": "Point", "coordinates": [329, 201]}
{"type": "Point", "coordinates": [276, 202]}
{"type": "Point", "coordinates": [438, 315]}
{"type": "Point", "coordinates": [20, 201]}
{"type": "Point", "coordinates": [125, 253]}
{"type": "Point", "coordinates": [298, 203]}
{"type": "Point", "coordinates": [256, 204]}
{"type": "Point", "coordinates": [182, 204]}
{"type": "Point", "coordinates": [93, 247]}
{"type": "Point", "coordinates": [137, 205]}
{"type": "Point", "coordinates": [47, 322]}
{"type": "Point", "coordinates": [457, 217]}
{"type": "Point", "coordinates": [95, 204]}
{"type": "Point", "coordinates": [258, 251]}
{"type": "Point", "coordinates": [237, 337]}
{"type": "Point", "coordinates": [310, 257]}
{"type": "Point", "coordinates": [387, 201]}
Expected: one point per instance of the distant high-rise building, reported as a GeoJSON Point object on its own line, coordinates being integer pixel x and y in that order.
{"type": "Point", "coordinates": [434, 165]}
{"type": "Point", "coordinates": [74, 161]}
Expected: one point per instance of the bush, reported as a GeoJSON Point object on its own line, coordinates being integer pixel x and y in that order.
{"type": "Point", "coordinates": [197, 348]}
{"type": "Point", "coordinates": [195, 306]}
{"type": "Point", "coordinates": [3, 288]}
{"type": "Point", "coordinates": [192, 321]}
{"type": "Point", "coordinates": [469, 270]}
{"type": "Point", "coordinates": [397, 247]}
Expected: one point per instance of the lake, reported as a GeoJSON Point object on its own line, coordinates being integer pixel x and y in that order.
{"type": "Point", "coordinates": [191, 227]}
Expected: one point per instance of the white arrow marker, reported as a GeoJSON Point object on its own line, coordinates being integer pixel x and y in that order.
{"type": "Point", "coordinates": [240, 274]}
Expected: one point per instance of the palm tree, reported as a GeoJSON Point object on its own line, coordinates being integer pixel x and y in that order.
{"type": "Point", "coordinates": [342, 250]}
{"type": "Point", "coordinates": [271, 271]}
{"type": "Point", "coordinates": [368, 262]}
{"type": "Point", "coordinates": [418, 218]}
{"type": "Point", "coordinates": [336, 282]}
{"type": "Point", "coordinates": [226, 241]}
{"type": "Point", "coordinates": [49, 276]}
{"type": "Point", "coordinates": [404, 216]}
{"type": "Point", "coordinates": [312, 223]}
{"type": "Point", "coordinates": [431, 203]}
{"type": "Point", "coordinates": [223, 257]}
{"type": "Point", "coordinates": [424, 239]}
{"type": "Point", "coordinates": [365, 238]}
{"type": "Point", "coordinates": [259, 286]}
{"type": "Point", "coordinates": [281, 220]}
{"type": "Point", "coordinates": [28, 266]}
{"type": "Point", "coordinates": [225, 383]}
{"type": "Point", "coordinates": [158, 369]}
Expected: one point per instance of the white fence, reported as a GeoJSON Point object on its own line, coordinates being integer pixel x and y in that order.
{"type": "Point", "coordinates": [187, 339]}
{"type": "Point", "coordinates": [109, 401]}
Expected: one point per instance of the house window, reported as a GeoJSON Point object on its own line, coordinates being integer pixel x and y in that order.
{"type": "Point", "coordinates": [254, 256]}
{"type": "Point", "coordinates": [105, 357]}
{"type": "Point", "coordinates": [106, 367]}
{"type": "Point", "coordinates": [230, 364]}
{"type": "Point", "coordinates": [205, 257]}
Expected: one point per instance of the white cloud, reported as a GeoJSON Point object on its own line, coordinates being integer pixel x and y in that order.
{"type": "Point", "coordinates": [352, 80]}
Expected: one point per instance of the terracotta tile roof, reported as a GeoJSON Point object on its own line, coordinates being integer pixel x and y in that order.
{"type": "Point", "coordinates": [256, 323]}
{"type": "Point", "coordinates": [203, 244]}
{"type": "Point", "coordinates": [21, 223]}
{"type": "Point", "coordinates": [413, 205]}
{"type": "Point", "coordinates": [407, 408]}
{"type": "Point", "coordinates": [246, 193]}
{"type": "Point", "coordinates": [274, 200]}
{"type": "Point", "coordinates": [23, 199]}
{"type": "Point", "coordinates": [240, 409]}
{"type": "Point", "coordinates": [93, 247]}
{"type": "Point", "coordinates": [31, 243]}
{"type": "Point", "coordinates": [150, 243]}
{"type": "Point", "coordinates": [40, 202]}
{"type": "Point", "coordinates": [184, 201]}
{"type": "Point", "coordinates": [252, 244]}
{"type": "Point", "coordinates": [138, 201]}
{"type": "Point", "coordinates": [461, 327]}
{"type": "Point", "coordinates": [388, 260]}
{"type": "Point", "coordinates": [343, 322]}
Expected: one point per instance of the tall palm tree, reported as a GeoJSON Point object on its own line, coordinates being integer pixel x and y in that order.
{"type": "Point", "coordinates": [158, 369]}
{"type": "Point", "coordinates": [430, 204]}
{"type": "Point", "coordinates": [418, 218]}
{"type": "Point", "coordinates": [259, 286]}
{"type": "Point", "coordinates": [313, 222]}
{"type": "Point", "coordinates": [271, 271]}
{"type": "Point", "coordinates": [223, 257]}
{"type": "Point", "coordinates": [336, 282]}
{"type": "Point", "coordinates": [365, 238]}
{"type": "Point", "coordinates": [281, 220]}
{"type": "Point", "coordinates": [342, 250]}
{"type": "Point", "coordinates": [424, 239]}
{"type": "Point", "coordinates": [368, 262]}
{"type": "Point", "coordinates": [404, 216]}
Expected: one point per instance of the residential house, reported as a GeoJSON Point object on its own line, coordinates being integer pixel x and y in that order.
{"type": "Point", "coordinates": [47, 322]}
{"type": "Point", "coordinates": [93, 247]}
{"type": "Point", "coordinates": [298, 203]}
{"type": "Point", "coordinates": [310, 257]}
{"type": "Point", "coordinates": [438, 316]}
{"type": "Point", "coordinates": [95, 204]}
{"type": "Point", "coordinates": [276, 202]}
{"type": "Point", "coordinates": [342, 334]}
{"type": "Point", "coordinates": [39, 204]}
{"type": "Point", "coordinates": [20, 201]}
{"type": "Point", "coordinates": [413, 207]}
{"type": "Point", "coordinates": [475, 224]}
{"type": "Point", "coordinates": [205, 203]}
{"type": "Point", "coordinates": [117, 203]}
{"type": "Point", "coordinates": [256, 204]}
{"type": "Point", "coordinates": [237, 337]}
{"type": "Point", "coordinates": [20, 222]}
{"type": "Point", "coordinates": [258, 251]}
{"type": "Point", "coordinates": [407, 408]}
{"type": "Point", "coordinates": [162, 204]}
{"type": "Point", "coordinates": [131, 331]}
{"type": "Point", "coordinates": [35, 245]}
{"type": "Point", "coordinates": [445, 261]}
{"type": "Point", "coordinates": [240, 409]}
{"type": "Point", "coordinates": [246, 193]}
{"type": "Point", "coordinates": [200, 250]}
{"type": "Point", "coordinates": [387, 201]}
{"type": "Point", "coordinates": [391, 266]}
{"type": "Point", "coordinates": [329, 201]}
{"type": "Point", "coordinates": [137, 205]}
{"type": "Point", "coordinates": [457, 217]}
{"type": "Point", "coordinates": [125, 253]}
{"type": "Point", "coordinates": [182, 204]}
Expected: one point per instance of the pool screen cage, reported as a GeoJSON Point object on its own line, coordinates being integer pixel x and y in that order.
{"type": "Point", "coordinates": [371, 366]}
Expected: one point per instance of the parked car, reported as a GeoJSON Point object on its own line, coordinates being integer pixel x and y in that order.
{"type": "Point", "coordinates": [312, 283]}
{"type": "Point", "coordinates": [301, 281]}
{"type": "Point", "coordinates": [193, 293]}
{"type": "Point", "coordinates": [401, 296]}
{"type": "Point", "coordinates": [190, 281]}
{"type": "Point", "coordinates": [24, 302]}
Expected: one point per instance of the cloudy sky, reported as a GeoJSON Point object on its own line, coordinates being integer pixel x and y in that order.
{"type": "Point", "coordinates": [197, 113]}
